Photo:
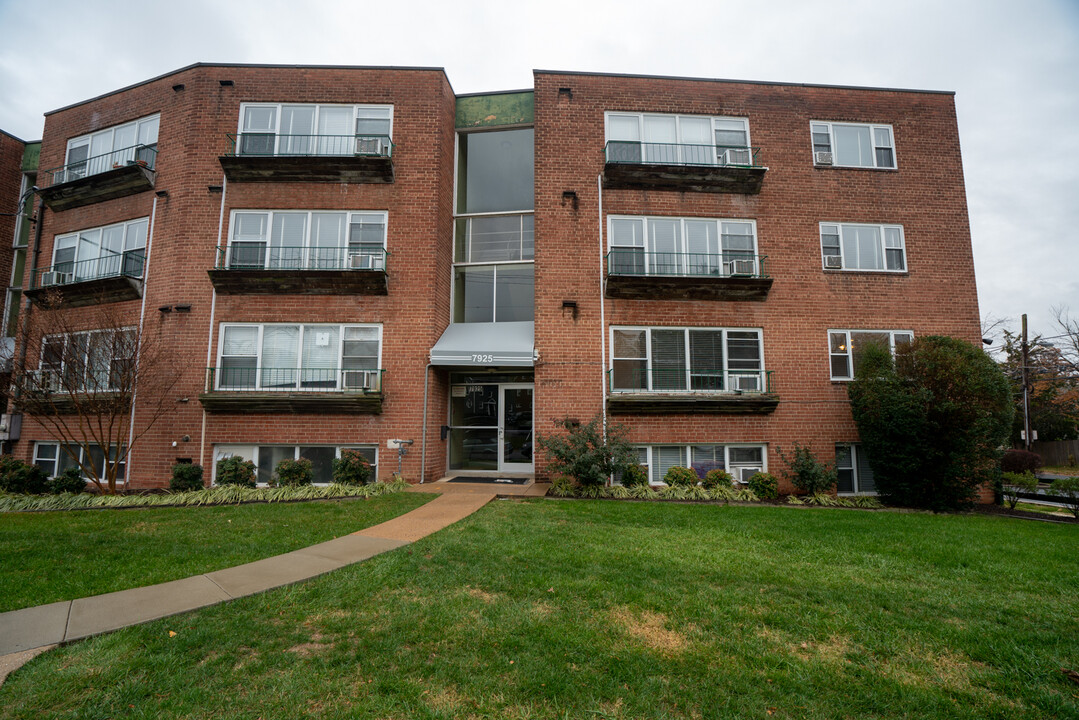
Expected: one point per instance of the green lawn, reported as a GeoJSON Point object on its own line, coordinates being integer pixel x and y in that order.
{"type": "Point", "coordinates": [1059, 470]}
{"type": "Point", "coordinates": [572, 609]}
{"type": "Point", "coordinates": [52, 556]}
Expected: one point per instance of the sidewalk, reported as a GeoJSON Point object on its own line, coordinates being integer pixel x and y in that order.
{"type": "Point", "coordinates": [26, 633]}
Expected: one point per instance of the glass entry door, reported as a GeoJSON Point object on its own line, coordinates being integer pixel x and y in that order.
{"type": "Point", "coordinates": [491, 427]}
{"type": "Point", "coordinates": [515, 432]}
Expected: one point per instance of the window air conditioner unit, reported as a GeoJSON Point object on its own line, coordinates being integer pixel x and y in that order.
{"type": "Point", "coordinates": [356, 379]}
{"type": "Point", "coordinates": [745, 473]}
{"type": "Point", "coordinates": [370, 146]}
{"type": "Point", "coordinates": [736, 156]}
{"type": "Point", "coordinates": [742, 267]}
{"type": "Point", "coordinates": [360, 261]}
{"type": "Point", "coordinates": [55, 278]}
{"type": "Point", "coordinates": [746, 383]}
{"type": "Point", "coordinates": [833, 262]}
{"type": "Point", "coordinates": [822, 158]}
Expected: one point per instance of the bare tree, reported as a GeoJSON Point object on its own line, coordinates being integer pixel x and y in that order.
{"type": "Point", "coordinates": [85, 371]}
{"type": "Point", "coordinates": [1068, 341]}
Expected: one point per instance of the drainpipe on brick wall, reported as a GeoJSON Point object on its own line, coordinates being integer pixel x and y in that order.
{"type": "Point", "coordinates": [138, 345]}
{"type": "Point", "coordinates": [213, 311]}
{"type": "Point", "coordinates": [602, 317]}
{"type": "Point", "coordinates": [423, 443]}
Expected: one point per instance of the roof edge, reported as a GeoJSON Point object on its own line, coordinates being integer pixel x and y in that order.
{"type": "Point", "coordinates": [17, 138]}
{"type": "Point", "coordinates": [497, 92]}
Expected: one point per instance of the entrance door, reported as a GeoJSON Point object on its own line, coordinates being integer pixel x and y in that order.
{"type": "Point", "coordinates": [515, 437]}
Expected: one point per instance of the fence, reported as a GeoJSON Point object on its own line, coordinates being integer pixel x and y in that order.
{"type": "Point", "coordinates": [1056, 452]}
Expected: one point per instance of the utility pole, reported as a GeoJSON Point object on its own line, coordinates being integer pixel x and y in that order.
{"type": "Point", "coordinates": [1026, 388]}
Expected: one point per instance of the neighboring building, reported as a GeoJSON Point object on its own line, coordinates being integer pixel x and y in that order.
{"type": "Point", "coordinates": [343, 256]}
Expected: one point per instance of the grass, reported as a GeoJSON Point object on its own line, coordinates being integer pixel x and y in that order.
{"type": "Point", "coordinates": [1044, 509]}
{"type": "Point", "coordinates": [1059, 470]}
{"type": "Point", "coordinates": [560, 609]}
{"type": "Point", "coordinates": [52, 556]}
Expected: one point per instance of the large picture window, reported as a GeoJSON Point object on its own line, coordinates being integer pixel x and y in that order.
{"type": "Point", "coordinates": [266, 458]}
{"type": "Point", "coordinates": [55, 458]}
{"type": "Point", "coordinates": [677, 139]}
{"type": "Point", "coordinates": [847, 246]}
{"type": "Point", "coordinates": [302, 240]}
{"type": "Point", "coordinates": [845, 348]}
{"type": "Point", "coordinates": [687, 359]}
{"type": "Point", "coordinates": [105, 149]}
{"type": "Point", "coordinates": [853, 145]}
{"type": "Point", "coordinates": [99, 252]}
{"type": "Point", "coordinates": [267, 129]}
{"type": "Point", "coordinates": [681, 246]}
{"type": "Point", "coordinates": [87, 362]}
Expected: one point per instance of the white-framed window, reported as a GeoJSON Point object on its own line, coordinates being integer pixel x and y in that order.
{"type": "Point", "coordinates": [665, 359]}
{"type": "Point", "coordinates": [54, 458]}
{"type": "Point", "coordinates": [844, 348]}
{"type": "Point", "coordinates": [105, 149]}
{"type": "Point", "coordinates": [853, 145]}
{"type": "Point", "coordinates": [292, 129]}
{"type": "Point", "coordinates": [854, 475]}
{"type": "Point", "coordinates": [99, 252]}
{"type": "Point", "coordinates": [858, 246]}
{"type": "Point", "coordinates": [307, 240]}
{"type": "Point", "coordinates": [299, 357]}
{"type": "Point", "coordinates": [681, 246]}
{"type": "Point", "coordinates": [677, 139]}
{"type": "Point", "coordinates": [741, 460]}
{"type": "Point", "coordinates": [267, 456]}
{"type": "Point", "coordinates": [91, 361]}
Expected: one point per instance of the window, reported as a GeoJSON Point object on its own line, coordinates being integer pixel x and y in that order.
{"type": "Point", "coordinates": [686, 359]}
{"type": "Point", "coordinates": [301, 240]}
{"type": "Point", "coordinates": [266, 458]}
{"type": "Point", "coordinates": [853, 470]}
{"type": "Point", "coordinates": [844, 348]}
{"type": "Point", "coordinates": [100, 252]}
{"type": "Point", "coordinates": [315, 129]}
{"type": "Point", "coordinates": [741, 461]}
{"type": "Point", "coordinates": [55, 458]}
{"type": "Point", "coordinates": [863, 247]}
{"type": "Point", "coordinates": [678, 139]}
{"type": "Point", "coordinates": [681, 246]}
{"type": "Point", "coordinates": [120, 145]}
{"type": "Point", "coordinates": [853, 145]}
{"type": "Point", "coordinates": [326, 358]}
{"type": "Point", "coordinates": [93, 361]}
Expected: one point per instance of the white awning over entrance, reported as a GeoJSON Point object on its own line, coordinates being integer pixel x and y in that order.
{"type": "Point", "coordinates": [504, 344]}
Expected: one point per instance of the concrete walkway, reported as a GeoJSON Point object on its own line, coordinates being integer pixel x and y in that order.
{"type": "Point", "coordinates": [26, 633]}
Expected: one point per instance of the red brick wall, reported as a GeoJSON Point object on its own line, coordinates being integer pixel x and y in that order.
{"type": "Point", "coordinates": [11, 151]}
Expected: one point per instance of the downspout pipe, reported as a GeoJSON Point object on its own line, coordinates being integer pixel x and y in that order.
{"type": "Point", "coordinates": [602, 315]}
{"type": "Point", "coordinates": [423, 443]}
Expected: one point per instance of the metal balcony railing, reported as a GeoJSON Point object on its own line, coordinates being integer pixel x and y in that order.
{"type": "Point", "coordinates": [645, 153]}
{"type": "Point", "coordinates": [126, 264]}
{"type": "Point", "coordinates": [640, 380]}
{"type": "Point", "coordinates": [635, 261]}
{"type": "Point", "coordinates": [260, 144]}
{"type": "Point", "coordinates": [261, 256]}
{"type": "Point", "coordinates": [145, 155]}
{"type": "Point", "coordinates": [238, 378]}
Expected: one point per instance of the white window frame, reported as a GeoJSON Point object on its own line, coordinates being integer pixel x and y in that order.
{"type": "Point", "coordinates": [847, 347]}
{"type": "Point", "coordinates": [101, 257]}
{"type": "Point", "coordinates": [85, 362]}
{"type": "Point", "coordinates": [855, 451]}
{"type": "Point", "coordinates": [101, 166]}
{"type": "Point", "coordinates": [762, 373]}
{"type": "Point", "coordinates": [687, 450]}
{"type": "Point", "coordinates": [376, 262]}
{"type": "Point", "coordinates": [884, 247]}
{"type": "Point", "coordinates": [356, 115]}
{"type": "Point", "coordinates": [723, 267]}
{"type": "Point", "coordinates": [873, 127]}
{"type": "Point", "coordinates": [55, 460]}
{"type": "Point", "coordinates": [679, 140]}
{"type": "Point", "coordinates": [225, 450]}
{"type": "Point", "coordinates": [303, 327]}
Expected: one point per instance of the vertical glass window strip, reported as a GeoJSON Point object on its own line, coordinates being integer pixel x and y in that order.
{"type": "Point", "coordinates": [839, 354]}
{"type": "Point", "coordinates": [629, 352]}
{"type": "Point", "coordinates": [668, 369]}
{"type": "Point", "coordinates": [627, 247]}
{"type": "Point", "coordinates": [882, 144]}
{"type": "Point", "coordinates": [239, 357]}
{"type": "Point", "coordinates": [706, 360]}
{"type": "Point", "coordinates": [822, 139]}
{"type": "Point", "coordinates": [844, 466]}
{"type": "Point", "coordinates": [893, 249]}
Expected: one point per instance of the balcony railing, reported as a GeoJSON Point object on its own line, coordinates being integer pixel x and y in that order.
{"type": "Point", "coordinates": [126, 264]}
{"type": "Point", "coordinates": [144, 155]}
{"type": "Point", "coordinates": [738, 382]}
{"type": "Point", "coordinates": [260, 256]}
{"type": "Point", "coordinates": [650, 153]}
{"type": "Point", "coordinates": [637, 262]}
{"type": "Point", "coordinates": [293, 380]}
{"type": "Point", "coordinates": [256, 144]}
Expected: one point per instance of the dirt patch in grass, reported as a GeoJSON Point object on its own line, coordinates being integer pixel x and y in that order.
{"type": "Point", "coordinates": [481, 594]}
{"type": "Point", "coordinates": [833, 650]}
{"type": "Point", "coordinates": [308, 649]}
{"type": "Point", "coordinates": [650, 628]}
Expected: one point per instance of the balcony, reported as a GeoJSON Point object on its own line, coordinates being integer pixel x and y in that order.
{"type": "Point", "coordinates": [266, 157]}
{"type": "Point", "coordinates": [252, 268]}
{"type": "Point", "coordinates": [111, 278]}
{"type": "Point", "coordinates": [673, 166]}
{"type": "Point", "coordinates": [249, 390]}
{"type": "Point", "coordinates": [660, 392]}
{"type": "Point", "coordinates": [102, 177]}
{"type": "Point", "coordinates": [50, 392]}
{"type": "Point", "coordinates": [633, 273]}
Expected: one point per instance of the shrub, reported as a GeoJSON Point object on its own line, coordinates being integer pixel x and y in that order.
{"type": "Point", "coordinates": [1014, 483]}
{"type": "Point", "coordinates": [634, 475]}
{"type": "Point", "coordinates": [718, 479]}
{"type": "Point", "coordinates": [583, 454]}
{"type": "Point", "coordinates": [351, 468]}
{"type": "Point", "coordinates": [1020, 461]}
{"type": "Point", "coordinates": [764, 485]}
{"type": "Point", "coordinates": [19, 477]}
{"type": "Point", "coordinates": [290, 473]}
{"type": "Point", "coordinates": [1068, 488]}
{"type": "Point", "coordinates": [680, 476]}
{"type": "Point", "coordinates": [1071, 460]}
{"type": "Point", "coordinates": [186, 477]}
{"type": "Point", "coordinates": [563, 486]}
{"type": "Point", "coordinates": [236, 471]}
{"type": "Point", "coordinates": [69, 481]}
{"type": "Point", "coordinates": [807, 473]}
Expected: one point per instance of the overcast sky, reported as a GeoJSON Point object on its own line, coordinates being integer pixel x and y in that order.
{"type": "Point", "coordinates": [1013, 65]}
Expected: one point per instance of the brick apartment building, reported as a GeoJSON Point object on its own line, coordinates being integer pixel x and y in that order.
{"type": "Point", "coordinates": [337, 257]}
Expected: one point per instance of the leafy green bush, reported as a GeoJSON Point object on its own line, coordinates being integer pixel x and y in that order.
{"type": "Point", "coordinates": [634, 475]}
{"type": "Point", "coordinates": [1014, 483]}
{"type": "Point", "coordinates": [236, 471]}
{"type": "Point", "coordinates": [718, 478]}
{"type": "Point", "coordinates": [584, 454]}
{"type": "Point", "coordinates": [290, 473]}
{"type": "Point", "coordinates": [351, 468]}
{"type": "Point", "coordinates": [1067, 488]}
{"type": "Point", "coordinates": [69, 481]}
{"type": "Point", "coordinates": [19, 477]}
{"type": "Point", "coordinates": [807, 473]}
{"type": "Point", "coordinates": [1020, 461]}
{"type": "Point", "coordinates": [681, 476]}
{"type": "Point", "coordinates": [186, 477]}
{"type": "Point", "coordinates": [764, 485]}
